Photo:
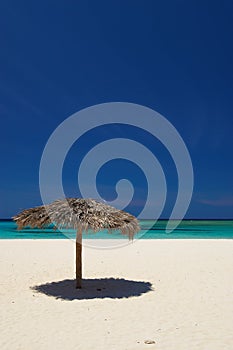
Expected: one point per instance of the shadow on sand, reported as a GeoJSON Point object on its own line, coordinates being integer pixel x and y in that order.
{"type": "Point", "coordinates": [115, 288]}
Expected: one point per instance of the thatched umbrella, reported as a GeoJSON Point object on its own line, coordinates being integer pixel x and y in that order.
{"type": "Point", "coordinates": [79, 214]}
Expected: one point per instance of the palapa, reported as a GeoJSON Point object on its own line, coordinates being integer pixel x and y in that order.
{"type": "Point", "coordinates": [79, 214]}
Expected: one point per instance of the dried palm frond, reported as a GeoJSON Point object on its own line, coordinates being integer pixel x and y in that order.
{"type": "Point", "coordinates": [79, 213]}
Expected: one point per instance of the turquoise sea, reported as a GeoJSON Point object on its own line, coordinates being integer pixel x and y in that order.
{"type": "Point", "coordinates": [200, 229]}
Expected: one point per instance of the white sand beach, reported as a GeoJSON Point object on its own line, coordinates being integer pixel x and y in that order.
{"type": "Point", "coordinates": [177, 293]}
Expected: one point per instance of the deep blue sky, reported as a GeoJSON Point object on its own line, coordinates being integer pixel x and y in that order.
{"type": "Point", "coordinates": [176, 57]}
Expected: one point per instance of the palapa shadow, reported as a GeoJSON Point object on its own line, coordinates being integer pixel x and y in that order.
{"type": "Point", "coordinates": [97, 288]}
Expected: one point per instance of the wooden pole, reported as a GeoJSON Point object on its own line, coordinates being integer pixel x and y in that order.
{"type": "Point", "coordinates": [79, 258]}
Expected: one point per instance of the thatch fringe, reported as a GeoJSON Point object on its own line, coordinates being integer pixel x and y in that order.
{"type": "Point", "coordinates": [75, 213]}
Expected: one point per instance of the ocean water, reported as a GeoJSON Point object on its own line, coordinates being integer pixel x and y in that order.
{"type": "Point", "coordinates": [199, 229]}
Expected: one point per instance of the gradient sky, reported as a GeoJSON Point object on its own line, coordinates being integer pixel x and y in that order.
{"type": "Point", "coordinates": [58, 57]}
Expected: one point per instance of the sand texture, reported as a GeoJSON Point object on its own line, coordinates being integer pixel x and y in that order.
{"type": "Point", "coordinates": [152, 294]}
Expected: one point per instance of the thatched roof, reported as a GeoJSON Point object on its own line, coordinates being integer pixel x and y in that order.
{"type": "Point", "coordinates": [78, 213]}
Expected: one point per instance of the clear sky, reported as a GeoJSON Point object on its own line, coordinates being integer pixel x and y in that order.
{"type": "Point", "coordinates": [175, 57]}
